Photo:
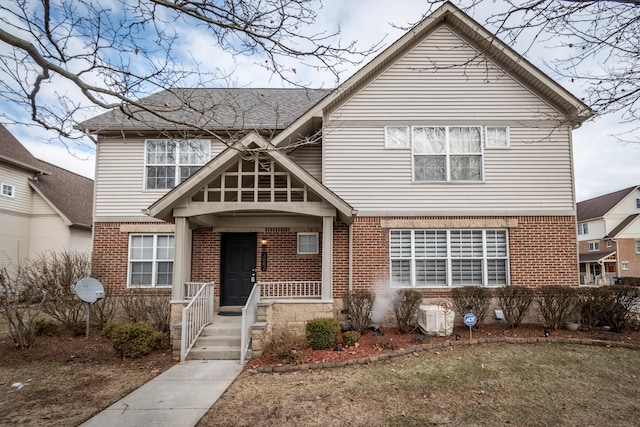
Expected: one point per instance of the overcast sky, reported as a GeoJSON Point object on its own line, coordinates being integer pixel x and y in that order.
{"type": "Point", "coordinates": [602, 164]}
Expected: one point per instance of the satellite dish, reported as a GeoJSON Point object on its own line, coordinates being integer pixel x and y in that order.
{"type": "Point", "coordinates": [89, 290]}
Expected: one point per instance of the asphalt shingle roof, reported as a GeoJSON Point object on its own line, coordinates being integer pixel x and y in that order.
{"type": "Point", "coordinates": [628, 220]}
{"type": "Point", "coordinates": [70, 193]}
{"type": "Point", "coordinates": [598, 206]}
{"type": "Point", "coordinates": [214, 108]}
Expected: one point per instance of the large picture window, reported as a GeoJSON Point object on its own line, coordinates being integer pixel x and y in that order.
{"type": "Point", "coordinates": [444, 258]}
{"type": "Point", "coordinates": [150, 260]}
{"type": "Point", "coordinates": [170, 162]}
{"type": "Point", "coordinates": [447, 153]}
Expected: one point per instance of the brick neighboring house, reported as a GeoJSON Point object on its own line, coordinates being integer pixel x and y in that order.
{"type": "Point", "coordinates": [609, 237]}
{"type": "Point", "coordinates": [42, 207]}
{"type": "Point", "coordinates": [445, 161]}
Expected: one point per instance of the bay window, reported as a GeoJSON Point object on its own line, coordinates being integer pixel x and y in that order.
{"type": "Point", "coordinates": [445, 258]}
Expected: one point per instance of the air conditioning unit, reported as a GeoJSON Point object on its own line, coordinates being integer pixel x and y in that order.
{"type": "Point", "coordinates": [436, 320]}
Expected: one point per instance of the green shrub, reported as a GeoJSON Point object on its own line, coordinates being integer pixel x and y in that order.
{"type": "Point", "coordinates": [323, 333]}
{"type": "Point", "coordinates": [46, 327]}
{"type": "Point", "coordinates": [556, 304]}
{"type": "Point", "coordinates": [132, 339]}
{"type": "Point", "coordinates": [350, 338]}
{"type": "Point", "coordinates": [359, 304]}
{"type": "Point", "coordinates": [285, 346]}
{"type": "Point", "coordinates": [514, 301]}
{"type": "Point", "coordinates": [405, 306]}
{"type": "Point", "coordinates": [472, 299]}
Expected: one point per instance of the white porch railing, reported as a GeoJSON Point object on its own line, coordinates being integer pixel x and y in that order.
{"type": "Point", "coordinates": [196, 315]}
{"type": "Point", "coordinates": [291, 290]}
{"type": "Point", "coordinates": [249, 317]}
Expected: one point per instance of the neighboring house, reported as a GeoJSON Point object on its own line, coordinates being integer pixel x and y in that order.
{"type": "Point", "coordinates": [444, 162]}
{"type": "Point", "coordinates": [609, 237]}
{"type": "Point", "coordinates": [42, 207]}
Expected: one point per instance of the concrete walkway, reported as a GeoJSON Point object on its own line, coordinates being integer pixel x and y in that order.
{"type": "Point", "coordinates": [178, 397]}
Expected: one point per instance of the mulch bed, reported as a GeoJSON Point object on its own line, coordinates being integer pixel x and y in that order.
{"type": "Point", "coordinates": [388, 343]}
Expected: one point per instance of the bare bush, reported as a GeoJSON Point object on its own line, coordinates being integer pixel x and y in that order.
{"type": "Point", "coordinates": [472, 299]}
{"type": "Point", "coordinates": [104, 311]}
{"type": "Point", "coordinates": [359, 304]}
{"type": "Point", "coordinates": [514, 301]}
{"type": "Point", "coordinates": [141, 306]}
{"type": "Point", "coordinates": [57, 273]}
{"type": "Point", "coordinates": [405, 306]}
{"type": "Point", "coordinates": [15, 303]}
{"type": "Point", "coordinates": [286, 346]}
{"type": "Point", "coordinates": [556, 304]}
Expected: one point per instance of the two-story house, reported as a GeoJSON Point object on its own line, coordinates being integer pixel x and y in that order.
{"type": "Point", "coordinates": [42, 207]}
{"type": "Point", "coordinates": [609, 237]}
{"type": "Point", "coordinates": [445, 161]}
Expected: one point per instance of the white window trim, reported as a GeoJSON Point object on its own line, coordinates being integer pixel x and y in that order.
{"type": "Point", "coordinates": [638, 203]}
{"type": "Point", "coordinates": [447, 154]}
{"type": "Point", "coordinates": [624, 265]}
{"type": "Point", "coordinates": [638, 246]}
{"type": "Point", "coordinates": [583, 228]}
{"type": "Point", "coordinates": [609, 244]}
{"type": "Point", "coordinates": [154, 261]}
{"type": "Point", "coordinates": [408, 142]}
{"type": "Point", "coordinates": [497, 147]}
{"type": "Point", "coordinates": [13, 190]}
{"type": "Point", "coordinates": [449, 281]}
{"type": "Point", "coordinates": [177, 164]}
{"type": "Point", "coordinates": [595, 244]}
{"type": "Point", "coordinates": [307, 234]}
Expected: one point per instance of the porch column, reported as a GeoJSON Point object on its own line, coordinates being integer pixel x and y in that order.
{"type": "Point", "coordinates": [181, 258]}
{"type": "Point", "coordinates": [327, 257]}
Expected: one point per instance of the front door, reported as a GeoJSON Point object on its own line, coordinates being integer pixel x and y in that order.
{"type": "Point", "coordinates": [238, 260]}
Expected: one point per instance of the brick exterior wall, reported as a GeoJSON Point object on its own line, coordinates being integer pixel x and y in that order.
{"type": "Point", "coordinates": [542, 250]}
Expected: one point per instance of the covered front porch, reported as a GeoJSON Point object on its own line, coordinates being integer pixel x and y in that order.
{"type": "Point", "coordinates": [252, 216]}
{"type": "Point", "coordinates": [599, 269]}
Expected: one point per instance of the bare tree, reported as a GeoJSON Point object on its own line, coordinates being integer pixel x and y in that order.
{"type": "Point", "coordinates": [57, 58]}
{"type": "Point", "coordinates": [601, 39]}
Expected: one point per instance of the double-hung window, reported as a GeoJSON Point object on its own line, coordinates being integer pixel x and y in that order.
{"type": "Point", "coordinates": [594, 246]}
{"type": "Point", "coordinates": [444, 153]}
{"type": "Point", "coordinates": [8, 190]}
{"type": "Point", "coordinates": [440, 258]}
{"type": "Point", "coordinates": [170, 162]}
{"type": "Point", "coordinates": [150, 260]}
{"type": "Point", "coordinates": [583, 228]}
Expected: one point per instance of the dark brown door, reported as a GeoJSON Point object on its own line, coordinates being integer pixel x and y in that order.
{"type": "Point", "coordinates": [238, 260]}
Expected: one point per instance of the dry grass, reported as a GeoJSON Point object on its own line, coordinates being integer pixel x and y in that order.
{"type": "Point", "coordinates": [519, 385]}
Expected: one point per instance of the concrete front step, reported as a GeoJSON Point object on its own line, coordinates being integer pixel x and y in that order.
{"type": "Point", "coordinates": [221, 331]}
{"type": "Point", "coordinates": [214, 353]}
{"type": "Point", "coordinates": [218, 340]}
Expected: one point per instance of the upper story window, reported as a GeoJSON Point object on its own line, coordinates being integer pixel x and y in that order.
{"type": "Point", "coordinates": [447, 153]}
{"type": "Point", "coordinates": [583, 228]}
{"type": "Point", "coordinates": [594, 246]}
{"type": "Point", "coordinates": [625, 265]}
{"type": "Point", "coordinates": [638, 246]}
{"type": "Point", "coordinates": [8, 190]}
{"type": "Point", "coordinates": [609, 244]}
{"type": "Point", "coordinates": [397, 137]}
{"type": "Point", "coordinates": [170, 162]}
{"type": "Point", "coordinates": [497, 137]}
{"type": "Point", "coordinates": [637, 203]}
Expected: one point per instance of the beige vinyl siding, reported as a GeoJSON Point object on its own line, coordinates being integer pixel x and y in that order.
{"type": "Point", "coordinates": [120, 179]}
{"type": "Point", "coordinates": [48, 232]}
{"type": "Point", "coordinates": [80, 239]}
{"type": "Point", "coordinates": [533, 176]}
{"type": "Point", "coordinates": [440, 80]}
{"type": "Point", "coordinates": [19, 179]}
{"type": "Point", "coordinates": [310, 158]}
{"type": "Point", "coordinates": [14, 243]}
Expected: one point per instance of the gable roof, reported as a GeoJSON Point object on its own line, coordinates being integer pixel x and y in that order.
{"type": "Point", "coordinates": [599, 206]}
{"type": "Point", "coordinates": [163, 207]}
{"type": "Point", "coordinates": [213, 109]}
{"type": "Point", "coordinates": [628, 220]}
{"type": "Point", "coordinates": [12, 151]}
{"type": "Point", "coordinates": [69, 194]}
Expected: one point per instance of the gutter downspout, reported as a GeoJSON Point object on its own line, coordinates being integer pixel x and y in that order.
{"type": "Point", "coordinates": [350, 256]}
